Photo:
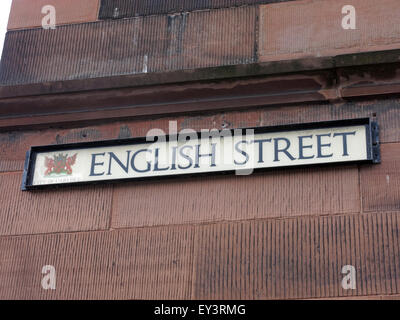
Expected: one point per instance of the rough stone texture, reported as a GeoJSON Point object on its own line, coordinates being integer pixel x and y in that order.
{"type": "Point", "coordinates": [279, 234]}
{"type": "Point", "coordinates": [117, 9]}
{"type": "Point", "coordinates": [297, 258]}
{"type": "Point", "coordinates": [128, 264]}
{"type": "Point", "coordinates": [291, 258]}
{"type": "Point", "coordinates": [380, 185]}
{"type": "Point", "coordinates": [304, 28]}
{"type": "Point", "coordinates": [189, 40]}
{"type": "Point", "coordinates": [130, 46]}
{"type": "Point", "coordinates": [48, 211]}
{"type": "Point", "coordinates": [280, 194]}
{"type": "Point", "coordinates": [28, 13]}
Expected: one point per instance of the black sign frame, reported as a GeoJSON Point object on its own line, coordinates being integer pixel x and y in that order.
{"type": "Point", "coordinates": [372, 134]}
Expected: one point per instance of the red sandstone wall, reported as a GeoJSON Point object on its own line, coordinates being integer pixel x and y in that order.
{"type": "Point", "coordinates": [27, 14]}
{"type": "Point", "coordinates": [188, 39]}
{"type": "Point", "coordinates": [280, 234]}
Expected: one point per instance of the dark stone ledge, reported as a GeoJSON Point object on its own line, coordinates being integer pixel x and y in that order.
{"type": "Point", "coordinates": [202, 74]}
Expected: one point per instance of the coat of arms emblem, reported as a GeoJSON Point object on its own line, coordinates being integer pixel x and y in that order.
{"type": "Point", "coordinates": [60, 164]}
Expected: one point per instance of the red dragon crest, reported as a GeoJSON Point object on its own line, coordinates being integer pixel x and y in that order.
{"type": "Point", "coordinates": [59, 164]}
